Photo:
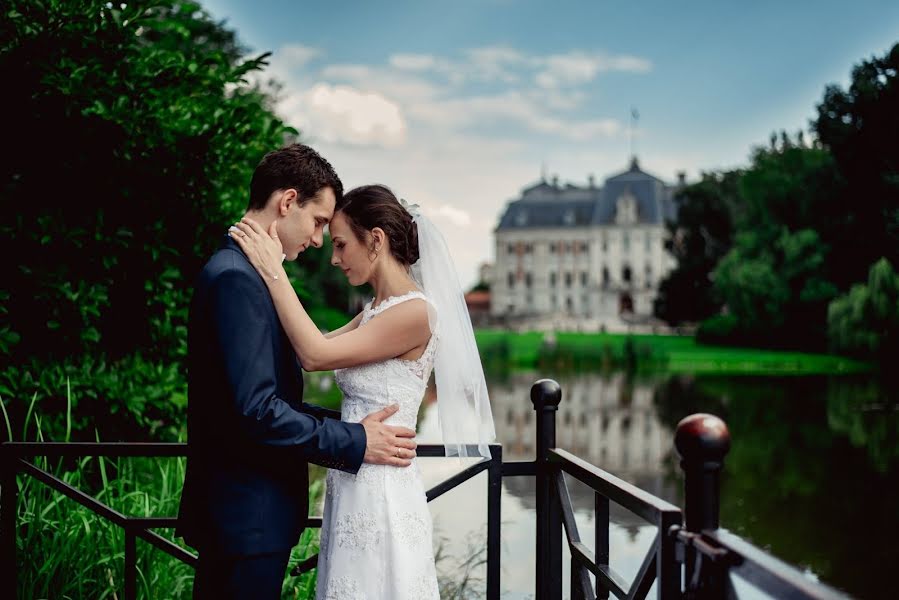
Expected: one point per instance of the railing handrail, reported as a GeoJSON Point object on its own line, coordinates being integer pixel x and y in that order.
{"type": "Point", "coordinates": [159, 449]}
{"type": "Point", "coordinates": [622, 493]}
{"type": "Point", "coordinates": [765, 570]}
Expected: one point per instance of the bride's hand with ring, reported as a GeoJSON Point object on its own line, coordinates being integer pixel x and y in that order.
{"type": "Point", "coordinates": [263, 249]}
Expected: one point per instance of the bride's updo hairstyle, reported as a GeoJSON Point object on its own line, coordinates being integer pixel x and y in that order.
{"type": "Point", "coordinates": [370, 206]}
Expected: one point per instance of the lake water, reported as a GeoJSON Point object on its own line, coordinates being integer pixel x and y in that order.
{"type": "Point", "coordinates": [812, 475]}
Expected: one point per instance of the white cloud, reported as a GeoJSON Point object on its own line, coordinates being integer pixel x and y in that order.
{"type": "Point", "coordinates": [454, 215]}
{"type": "Point", "coordinates": [344, 114]}
{"type": "Point", "coordinates": [575, 68]}
{"type": "Point", "coordinates": [525, 112]}
{"type": "Point", "coordinates": [412, 62]}
{"type": "Point", "coordinates": [296, 56]}
{"type": "Point", "coordinates": [496, 63]}
{"type": "Point", "coordinates": [404, 88]}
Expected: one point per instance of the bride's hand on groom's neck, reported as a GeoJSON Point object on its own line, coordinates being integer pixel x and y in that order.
{"type": "Point", "coordinates": [262, 248]}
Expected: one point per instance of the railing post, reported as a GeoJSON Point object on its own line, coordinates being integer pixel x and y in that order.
{"type": "Point", "coordinates": [601, 540]}
{"type": "Point", "coordinates": [9, 495]}
{"type": "Point", "coordinates": [546, 395]}
{"type": "Point", "coordinates": [702, 441]}
{"type": "Point", "coordinates": [494, 520]}
{"type": "Point", "coordinates": [130, 564]}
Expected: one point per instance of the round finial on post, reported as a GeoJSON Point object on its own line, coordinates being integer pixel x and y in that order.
{"type": "Point", "coordinates": [701, 438]}
{"type": "Point", "coordinates": [546, 394]}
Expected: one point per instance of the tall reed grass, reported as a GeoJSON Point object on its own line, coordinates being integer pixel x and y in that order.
{"type": "Point", "coordinates": [64, 550]}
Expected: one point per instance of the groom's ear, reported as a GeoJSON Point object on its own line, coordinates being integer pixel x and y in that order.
{"type": "Point", "coordinates": [288, 197]}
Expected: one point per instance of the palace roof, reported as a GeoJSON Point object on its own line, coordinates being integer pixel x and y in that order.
{"type": "Point", "coordinates": [550, 205]}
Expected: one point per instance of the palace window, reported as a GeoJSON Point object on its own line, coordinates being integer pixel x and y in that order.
{"type": "Point", "coordinates": [511, 280]}
{"type": "Point", "coordinates": [584, 278]}
{"type": "Point", "coordinates": [568, 280]}
{"type": "Point", "coordinates": [605, 277]}
{"type": "Point", "coordinates": [626, 274]}
{"type": "Point", "coordinates": [552, 248]}
{"type": "Point", "coordinates": [528, 280]}
{"type": "Point", "coordinates": [552, 279]}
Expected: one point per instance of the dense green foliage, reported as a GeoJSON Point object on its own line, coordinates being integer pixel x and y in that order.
{"type": "Point", "coordinates": [775, 243]}
{"type": "Point", "coordinates": [702, 234]}
{"type": "Point", "coordinates": [865, 321]}
{"type": "Point", "coordinates": [136, 133]}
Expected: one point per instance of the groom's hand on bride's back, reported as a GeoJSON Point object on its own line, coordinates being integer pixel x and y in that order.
{"type": "Point", "coordinates": [386, 444]}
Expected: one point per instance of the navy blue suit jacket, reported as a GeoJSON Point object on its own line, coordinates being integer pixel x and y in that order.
{"type": "Point", "coordinates": [250, 436]}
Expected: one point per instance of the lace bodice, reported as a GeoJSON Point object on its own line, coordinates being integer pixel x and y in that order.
{"type": "Point", "coordinates": [371, 387]}
{"type": "Point", "coordinates": [376, 541]}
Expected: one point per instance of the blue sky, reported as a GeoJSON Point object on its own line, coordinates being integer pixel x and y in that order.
{"type": "Point", "coordinates": [459, 105]}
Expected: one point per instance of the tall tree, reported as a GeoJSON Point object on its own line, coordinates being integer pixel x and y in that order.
{"type": "Point", "coordinates": [133, 137]}
{"type": "Point", "coordinates": [701, 235]}
{"type": "Point", "coordinates": [860, 128]}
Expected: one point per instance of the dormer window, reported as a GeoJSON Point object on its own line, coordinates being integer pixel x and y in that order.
{"type": "Point", "coordinates": [568, 217]}
{"type": "Point", "coordinates": [626, 208]}
{"type": "Point", "coordinates": [521, 218]}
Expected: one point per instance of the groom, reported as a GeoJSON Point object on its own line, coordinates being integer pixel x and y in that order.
{"type": "Point", "coordinates": [250, 435]}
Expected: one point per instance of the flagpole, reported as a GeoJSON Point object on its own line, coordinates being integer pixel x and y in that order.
{"type": "Point", "coordinates": [635, 116]}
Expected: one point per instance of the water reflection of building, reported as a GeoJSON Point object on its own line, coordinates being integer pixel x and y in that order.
{"type": "Point", "coordinates": [609, 421]}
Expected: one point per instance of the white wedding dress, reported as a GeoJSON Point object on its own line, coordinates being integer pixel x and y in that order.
{"type": "Point", "coordinates": [376, 528]}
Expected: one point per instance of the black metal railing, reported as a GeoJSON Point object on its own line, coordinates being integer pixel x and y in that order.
{"type": "Point", "coordinates": [15, 459]}
{"type": "Point", "coordinates": [692, 560]}
{"type": "Point", "coordinates": [689, 558]}
{"type": "Point", "coordinates": [494, 468]}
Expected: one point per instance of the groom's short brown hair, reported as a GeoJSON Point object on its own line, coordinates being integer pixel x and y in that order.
{"type": "Point", "coordinates": [295, 166]}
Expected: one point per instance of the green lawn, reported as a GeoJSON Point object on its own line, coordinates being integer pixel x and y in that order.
{"type": "Point", "coordinates": [673, 354]}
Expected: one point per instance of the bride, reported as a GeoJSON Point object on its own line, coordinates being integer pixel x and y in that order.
{"type": "Point", "coordinates": [376, 529]}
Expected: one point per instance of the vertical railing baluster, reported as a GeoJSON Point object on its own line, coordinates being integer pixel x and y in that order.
{"type": "Point", "coordinates": [576, 591]}
{"type": "Point", "coordinates": [494, 521]}
{"type": "Point", "coordinates": [668, 569]}
{"type": "Point", "coordinates": [601, 527]}
{"type": "Point", "coordinates": [546, 395]}
{"type": "Point", "coordinates": [702, 441]}
{"type": "Point", "coordinates": [130, 565]}
{"type": "Point", "coordinates": [9, 496]}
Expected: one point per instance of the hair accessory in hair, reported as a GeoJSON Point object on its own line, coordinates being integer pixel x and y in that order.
{"type": "Point", "coordinates": [412, 209]}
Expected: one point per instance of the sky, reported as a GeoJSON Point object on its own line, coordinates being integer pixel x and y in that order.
{"type": "Point", "coordinates": [458, 106]}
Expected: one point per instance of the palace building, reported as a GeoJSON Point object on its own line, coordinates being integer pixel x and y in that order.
{"type": "Point", "coordinates": [594, 254]}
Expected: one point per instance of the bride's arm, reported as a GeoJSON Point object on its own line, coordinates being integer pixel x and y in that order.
{"type": "Point", "coordinates": [346, 328]}
{"type": "Point", "coordinates": [393, 333]}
